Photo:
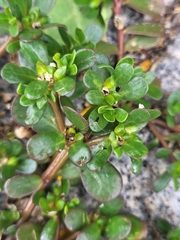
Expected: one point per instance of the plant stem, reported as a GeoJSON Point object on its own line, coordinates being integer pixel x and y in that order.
{"type": "Point", "coordinates": [3, 47]}
{"type": "Point", "coordinates": [59, 115]}
{"type": "Point", "coordinates": [58, 160]}
{"type": "Point", "coordinates": [161, 139]}
{"type": "Point", "coordinates": [162, 124]}
{"type": "Point", "coordinates": [118, 23]}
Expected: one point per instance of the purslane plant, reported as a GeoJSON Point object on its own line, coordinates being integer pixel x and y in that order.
{"type": "Point", "coordinates": [49, 78]}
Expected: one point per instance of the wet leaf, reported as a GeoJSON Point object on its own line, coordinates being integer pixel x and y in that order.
{"type": "Point", "coordinates": [101, 184]}
{"type": "Point", "coordinates": [36, 89]}
{"type": "Point", "coordinates": [28, 35]}
{"type": "Point", "coordinates": [136, 165]}
{"type": "Point", "coordinates": [64, 86]}
{"type": "Point", "coordinates": [90, 232]}
{"type": "Point", "coordinates": [29, 231]}
{"type": "Point", "coordinates": [135, 149]}
{"type": "Point", "coordinates": [112, 207]}
{"type": "Point", "coordinates": [15, 74]}
{"type": "Point", "coordinates": [26, 166]}
{"type": "Point", "coordinates": [92, 80]}
{"type": "Point", "coordinates": [76, 219]}
{"type": "Point", "coordinates": [79, 153]}
{"type": "Point", "coordinates": [35, 51]}
{"type": "Point", "coordinates": [44, 145]}
{"type": "Point", "coordinates": [138, 228]}
{"type": "Point", "coordinates": [84, 59]}
{"type": "Point", "coordinates": [100, 155]}
{"type": "Point", "coordinates": [20, 186]}
{"type": "Point", "coordinates": [134, 89]}
{"type": "Point", "coordinates": [50, 229]}
{"type": "Point", "coordinates": [118, 227]}
{"type": "Point", "coordinates": [123, 73]}
{"type": "Point", "coordinates": [69, 171]}
{"type": "Point", "coordinates": [93, 33]}
{"type": "Point", "coordinates": [33, 114]}
{"type": "Point", "coordinates": [76, 119]}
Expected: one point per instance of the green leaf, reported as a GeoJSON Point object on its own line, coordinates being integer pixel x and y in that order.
{"type": "Point", "coordinates": [174, 234]}
{"type": "Point", "coordinates": [50, 229]}
{"type": "Point", "coordinates": [103, 185]}
{"type": "Point", "coordinates": [138, 228]}
{"type": "Point", "coordinates": [96, 121]}
{"type": "Point", "coordinates": [154, 113]}
{"type": "Point", "coordinates": [123, 73]}
{"type": "Point", "coordinates": [21, 9]}
{"type": "Point", "coordinates": [152, 29]}
{"type": "Point", "coordinates": [28, 35]}
{"type": "Point", "coordinates": [44, 7]}
{"type": "Point", "coordinates": [35, 51]}
{"type": "Point", "coordinates": [13, 47]}
{"type": "Point", "coordinates": [173, 103]}
{"type": "Point", "coordinates": [118, 227]}
{"type": "Point", "coordinates": [112, 207]}
{"type": "Point", "coordinates": [100, 155]}
{"type": "Point", "coordinates": [7, 171]}
{"type": "Point", "coordinates": [136, 165]}
{"type": "Point", "coordinates": [109, 116]}
{"type": "Point", "coordinates": [137, 117]}
{"type": "Point", "coordinates": [92, 80]}
{"type": "Point", "coordinates": [16, 147]}
{"type": "Point", "coordinates": [153, 8]}
{"type": "Point", "coordinates": [163, 152]}
{"type": "Point", "coordinates": [163, 226]}
{"type": "Point", "coordinates": [106, 48]}
{"type": "Point", "coordinates": [135, 149]}
{"type": "Point", "coordinates": [69, 170]}
{"type": "Point", "coordinates": [29, 231]}
{"type": "Point", "coordinates": [93, 33]}
{"type": "Point", "coordinates": [36, 89]}
{"type": "Point", "coordinates": [154, 92]}
{"type": "Point", "coordinates": [134, 89]}
{"type": "Point", "coordinates": [126, 60]}
{"type": "Point", "coordinates": [48, 122]}
{"type": "Point", "coordinates": [27, 166]}
{"type": "Point", "coordinates": [141, 42]}
{"type": "Point", "coordinates": [19, 112]}
{"type": "Point", "coordinates": [43, 145]}
{"type": "Point", "coordinates": [20, 186]}
{"type": "Point", "coordinates": [120, 114]}
{"type": "Point", "coordinates": [79, 153]}
{"type": "Point", "coordinates": [76, 219]}
{"type": "Point", "coordinates": [90, 232]}
{"type": "Point", "coordinates": [84, 59]}
{"type": "Point", "coordinates": [162, 181]}
{"type": "Point", "coordinates": [64, 86]}
{"type": "Point", "coordinates": [80, 37]}
{"type": "Point", "coordinates": [33, 114]}
{"type": "Point", "coordinates": [95, 97]}
{"type": "Point", "coordinates": [15, 74]}
{"type": "Point", "coordinates": [76, 119]}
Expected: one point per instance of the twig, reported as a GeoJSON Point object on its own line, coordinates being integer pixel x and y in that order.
{"type": "Point", "coordinates": [3, 47]}
{"type": "Point", "coordinates": [162, 124]}
{"type": "Point", "coordinates": [118, 23]}
{"type": "Point", "coordinates": [161, 139]}
{"type": "Point", "coordinates": [58, 113]}
{"type": "Point", "coordinates": [58, 160]}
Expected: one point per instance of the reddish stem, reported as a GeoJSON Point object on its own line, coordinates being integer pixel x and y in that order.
{"type": "Point", "coordinates": [118, 22]}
